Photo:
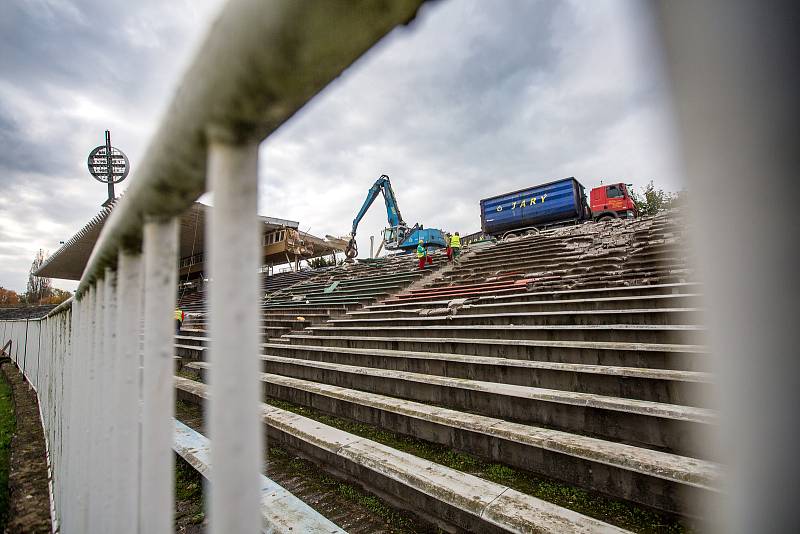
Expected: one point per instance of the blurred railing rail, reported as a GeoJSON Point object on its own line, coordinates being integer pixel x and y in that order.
{"type": "Point", "coordinates": [107, 402]}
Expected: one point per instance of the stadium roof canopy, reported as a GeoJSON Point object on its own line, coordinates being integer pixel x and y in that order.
{"type": "Point", "coordinates": [69, 261]}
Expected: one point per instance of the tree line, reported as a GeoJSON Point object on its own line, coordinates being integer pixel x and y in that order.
{"type": "Point", "coordinates": [40, 290]}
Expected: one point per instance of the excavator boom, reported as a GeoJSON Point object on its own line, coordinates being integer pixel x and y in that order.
{"type": "Point", "coordinates": [398, 232]}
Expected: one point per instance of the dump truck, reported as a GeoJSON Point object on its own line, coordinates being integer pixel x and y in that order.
{"type": "Point", "coordinates": [551, 204]}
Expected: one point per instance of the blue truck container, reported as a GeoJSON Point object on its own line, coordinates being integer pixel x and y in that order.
{"type": "Point", "coordinates": [542, 205]}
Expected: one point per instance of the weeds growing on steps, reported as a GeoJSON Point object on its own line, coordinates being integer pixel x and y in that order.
{"type": "Point", "coordinates": [613, 511]}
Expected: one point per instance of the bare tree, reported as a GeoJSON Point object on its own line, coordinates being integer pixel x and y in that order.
{"type": "Point", "coordinates": [39, 289]}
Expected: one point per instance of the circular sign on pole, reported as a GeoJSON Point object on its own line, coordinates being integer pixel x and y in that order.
{"type": "Point", "coordinates": [99, 162]}
{"type": "Point", "coordinates": [108, 165]}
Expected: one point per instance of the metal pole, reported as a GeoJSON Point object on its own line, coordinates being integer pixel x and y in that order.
{"type": "Point", "coordinates": [158, 391]}
{"type": "Point", "coordinates": [235, 425]}
{"type": "Point", "coordinates": [25, 351]}
{"type": "Point", "coordinates": [372, 246]}
{"type": "Point", "coordinates": [110, 167]}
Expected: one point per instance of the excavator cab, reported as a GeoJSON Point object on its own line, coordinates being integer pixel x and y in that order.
{"type": "Point", "coordinates": [394, 235]}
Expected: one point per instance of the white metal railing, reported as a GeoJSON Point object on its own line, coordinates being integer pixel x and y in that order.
{"type": "Point", "coordinates": [102, 364]}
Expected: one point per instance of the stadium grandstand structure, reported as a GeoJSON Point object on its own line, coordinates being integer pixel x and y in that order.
{"type": "Point", "coordinates": [576, 355]}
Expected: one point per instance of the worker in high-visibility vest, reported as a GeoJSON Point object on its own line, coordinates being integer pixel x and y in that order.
{"type": "Point", "coordinates": [422, 255]}
{"type": "Point", "coordinates": [448, 250]}
{"type": "Point", "coordinates": [455, 245]}
{"type": "Point", "coordinates": [179, 317]}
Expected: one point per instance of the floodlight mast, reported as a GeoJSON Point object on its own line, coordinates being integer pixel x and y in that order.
{"type": "Point", "coordinates": [110, 168]}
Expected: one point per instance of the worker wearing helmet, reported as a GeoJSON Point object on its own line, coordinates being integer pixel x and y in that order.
{"type": "Point", "coordinates": [455, 245]}
{"type": "Point", "coordinates": [422, 255]}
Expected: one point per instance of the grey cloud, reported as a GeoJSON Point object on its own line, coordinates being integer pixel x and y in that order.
{"type": "Point", "coordinates": [472, 99]}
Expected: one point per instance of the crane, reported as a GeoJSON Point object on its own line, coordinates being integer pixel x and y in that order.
{"type": "Point", "coordinates": [397, 235]}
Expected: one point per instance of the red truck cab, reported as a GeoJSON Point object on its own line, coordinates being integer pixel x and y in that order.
{"type": "Point", "coordinates": [612, 201]}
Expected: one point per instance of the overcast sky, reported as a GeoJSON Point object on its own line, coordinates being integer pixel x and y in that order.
{"type": "Point", "coordinates": [471, 100]}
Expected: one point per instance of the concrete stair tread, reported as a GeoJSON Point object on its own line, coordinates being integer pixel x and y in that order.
{"type": "Point", "coordinates": [536, 294]}
{"type": "Point", "coordinates": [191, 347]}
{"type": "Point", "coordinates": [497, 504]}
{"type": "Point", "coordinates": [683, 469]}
{"type": "Point", "coordinates": [648, 408]}
{"type": "Point", "coordinates": [640, 372]}
{"type": "Point", "coordinates": [595, 345]}
{"type": "Point", "coordinates": [641, 327]}
{"type": "Point", "coordinates": [280, 509]}
{"type": "Point", "coordinates": [692, 471]}
{"type": "Point", "coordinates": [380, 308]}
{"type": "Point", "coordinates": [460, 315]}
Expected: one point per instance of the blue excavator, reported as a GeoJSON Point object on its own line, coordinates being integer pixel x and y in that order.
{"type": "Point", "coordinates": [398, 236]}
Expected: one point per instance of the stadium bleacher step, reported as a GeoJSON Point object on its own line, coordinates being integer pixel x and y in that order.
{"type": "Point", "coordinates": [668, 482]}
{"type": "Point", "coordinates": [584, 294]}
{"type": "Point", "coordinates": [494, 305]}
{"type": "Point", "coordinates": [626, 333]}
{"type": "Point", "coordinates": [452, 497]}
{"type": "Point", "coordinates": [646, 355]}
{"type": "Point", "coordinates": [280, 510]}
{"type": "Point", "coordinates": [657, 385]}
{"type": "Point", "coordinates": [470, 316]}
{"type": "Point", "coordinates": [674, 428]}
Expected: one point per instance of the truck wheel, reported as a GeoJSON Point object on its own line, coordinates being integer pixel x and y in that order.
{"type": "Point", "coordinates": [604, 218]}
{"type": "Point", "coordinates": [508, 237]}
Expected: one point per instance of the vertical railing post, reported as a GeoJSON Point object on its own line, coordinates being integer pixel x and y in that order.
{"type": "Point", "coordinates": [96, 364]}
{"type": "Point", "coordinates": [106, 388]}
{"type": "Point", "coordinates": [81, 408]}
{"type": "Point", "coordinates": [158, 389]}
{"type": "Point", "coordinates": [126, 440]}
{"type": "Point", "coordinates": [234, 423]}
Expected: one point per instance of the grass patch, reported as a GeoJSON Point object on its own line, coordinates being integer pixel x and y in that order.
{"type": "Point", "coordinates": [185, 373]}
{"type": "Point", "coordinates": [8, 425]}
{"type": "Point", "coordinates": [188, 493]}
{"type": "Point", "coordinates": [283, 460]}
{"type": "Point", "coordinates": [613, 511]}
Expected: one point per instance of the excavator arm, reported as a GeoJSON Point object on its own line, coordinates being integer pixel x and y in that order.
{"type": "Point", "coordinates": [381, 185]}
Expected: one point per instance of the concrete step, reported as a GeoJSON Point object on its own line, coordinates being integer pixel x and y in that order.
{"type": "Point", "coordinates": [504, 305]}
{"type": "Point", "coordinates": [456, 499]}
{"type": "Point", "coordinates": [282, 315]}
{"type": "Point", "coordinates": [367, 283]}
{"type": "Point", "coordinates": [656, 385]}
{"type": "Point", "coordinates": [668, 482]}
{"type": "Point", "coordinates": [674, 428]}
{"type": "Point", "coordinates": [659, 316]}
{"type": "Point", "coordinates": [300, 309]}
{"type": "Point", "coordinates": [293, 324]}
{"type": "Point", "coordinates": [644, 355]}
{"type": "Point", "coordinates": [672, 334]}
{"type": "Point", "coordinates": [280, 510]}
{"type": "Point", "coordinates": [557, 295]}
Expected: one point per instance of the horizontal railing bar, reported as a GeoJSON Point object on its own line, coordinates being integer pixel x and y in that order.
{"type": "Point", "coordinates": [260, 62]}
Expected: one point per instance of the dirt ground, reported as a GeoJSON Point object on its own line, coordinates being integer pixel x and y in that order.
{"type": "Point", "coordinates": [29, 509]}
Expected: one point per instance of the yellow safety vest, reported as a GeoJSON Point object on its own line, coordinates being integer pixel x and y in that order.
{"type": "Point", "coordinates": [455, 241]}
{"type": "Point", "coordinates": [178, 315]}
